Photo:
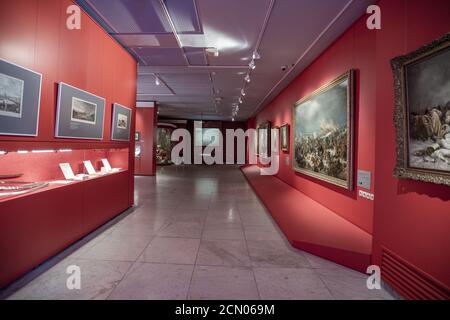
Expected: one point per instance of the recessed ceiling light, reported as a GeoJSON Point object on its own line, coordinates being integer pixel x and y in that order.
{"type": "Point", "coordinates": [214, 51]}
{"type": "Point", "coordinates": [157, 82]}
{"type": "Point", "coordinates": [252, 64]}
{"type": "Point", "coordinates": [243, 92]}
{"type": "Point", "coordinates": [256, 55]}
{"type": "Point", "coordinates": [240, 100]}
{"type": "Point", "coordinates": [247, 78]}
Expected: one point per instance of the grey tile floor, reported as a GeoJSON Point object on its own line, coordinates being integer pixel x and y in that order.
{"type": "Point", "coordinates": [196, 232]}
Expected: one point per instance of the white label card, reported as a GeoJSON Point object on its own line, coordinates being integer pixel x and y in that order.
{"type": "Point", "coordinates": [89, 167]}
{"type": "Point", "coordinates": [67, 171]}
{"type": "Point", "coordinates": [106, 165]}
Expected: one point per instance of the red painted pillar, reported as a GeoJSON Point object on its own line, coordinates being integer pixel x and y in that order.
{"type": "Point", "coordinates": [146, 126]}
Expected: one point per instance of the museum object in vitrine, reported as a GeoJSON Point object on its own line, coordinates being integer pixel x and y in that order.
{"type": "Point", "coordinates": [323, 132]}
{"type": "Point", "coordinates": [20, 94]}
{"type": "Point", "coordinates": [80, 114]}
{"type": "Point", "coordinates": [422, 112]}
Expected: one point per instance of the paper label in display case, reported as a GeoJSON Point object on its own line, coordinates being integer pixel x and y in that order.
{"type": "Point", "coordinates": [106, 165]}
{"type": "Point", "coordinates": [67, 171]}
{"type": "Point", "coordinates": [89, 167]}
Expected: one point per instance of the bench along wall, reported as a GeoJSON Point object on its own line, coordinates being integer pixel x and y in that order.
{"type": "Point", "coordinates": [409, 220]}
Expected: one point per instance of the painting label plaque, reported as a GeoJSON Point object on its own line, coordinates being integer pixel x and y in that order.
{"type": "Point", "coordinates": [364, 179]}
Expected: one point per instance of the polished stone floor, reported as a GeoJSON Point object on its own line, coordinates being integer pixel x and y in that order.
{"type": "Point", "coordinates": [196, 232]}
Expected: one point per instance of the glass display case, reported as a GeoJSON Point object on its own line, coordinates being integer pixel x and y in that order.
{"type": "Point", "coordinates": [26, 171]}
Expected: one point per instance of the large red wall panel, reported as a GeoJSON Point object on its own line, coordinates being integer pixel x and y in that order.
{"type": "Point", "coordinates": [146, 124]}
{"type": "Point", "coordinates": [411, 218]}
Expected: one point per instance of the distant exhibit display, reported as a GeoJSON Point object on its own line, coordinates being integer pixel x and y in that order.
{"type": "Point", "coordinates": [121, 123]}
{"type": "Point", "coordinates": [20, 93]}
{"type": "Point", "coordinates": [284, 137]}
{"type": "Point", "coordinates": [422, 113]}
{"type": "Point", "coordinates": [207, 137]}
{"type": "Point", "coordinates": [80, 114]}
{"type": "Point", "coordinates": [264, 139]}
{"type": "Point", "coordinates": [323, 132]}
{"type": "Point", "coordinates": [164, 145]}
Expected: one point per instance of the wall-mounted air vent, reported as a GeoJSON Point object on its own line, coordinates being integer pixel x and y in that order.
{"type": "Point", "coordinates": [410, 282]}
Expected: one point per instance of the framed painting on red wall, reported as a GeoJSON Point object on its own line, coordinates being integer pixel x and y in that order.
{"type": "Point", "coordinates": [422, 113]}
{"type": "Point", "coordinates": [264, 142]}
{"type": "Point", "coordinates": [284, 137]}
{"type": "Point", "coordinates": [323, 132]}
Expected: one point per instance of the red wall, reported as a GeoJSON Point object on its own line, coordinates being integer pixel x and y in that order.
{"type": "Point", "coordinates": [355, 49]}
{"type": "Point", "coordinates": [33, 34]}
{"type": "Point", "coordinates": [411, 218]}
{"type": "Point", "coordinates": [146, 124]}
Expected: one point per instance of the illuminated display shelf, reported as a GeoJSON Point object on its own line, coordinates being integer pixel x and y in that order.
{"type": "Point", "coordinates": [35, 226]}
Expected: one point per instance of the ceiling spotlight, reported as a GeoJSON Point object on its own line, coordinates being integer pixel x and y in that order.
{"type": "Point", "coordinates": [214, 51]}
{"type": "Point", "coordinates": [157, 82]}
{"type": "Point", "coordinates": [240, 100]}
{"type": "Point", "coordinates": [243, 92]}
{"type": "Point", "coordinates": [256, 55]}
{"type": "Point", "coordinates": [247, 78]}
{"type": "Point", "coordinates": [232, 119]}
{"type": "Point", "coordinates": [252, 64]}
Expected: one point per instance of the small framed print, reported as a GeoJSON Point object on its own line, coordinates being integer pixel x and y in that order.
{"type": "Point", "coordinates": [20, 94]}
{"type": "Point", "coordinates": [83, 111]}
{"type": "Point", "coordinates": [264, 133]}
{"type": "Point", "coordinates": [80, 114]}
{"type": "Point", "coordinates": [121, 123]}
{"type": "Point", "coordinates": [284, 137]}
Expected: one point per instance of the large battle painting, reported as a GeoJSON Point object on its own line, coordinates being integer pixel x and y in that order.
{"type": "Point", "coordinates": [423, 113]}
{"type": "Point", "coordinates": [323, 133]}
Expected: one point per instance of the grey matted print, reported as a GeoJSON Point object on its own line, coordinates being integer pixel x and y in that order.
{"type": "Point", "coordinates": [80, 114]}
{"type": "Point", "coordinates": [121, 123]}
{"type": "Point", "coordinates": [20, 95]}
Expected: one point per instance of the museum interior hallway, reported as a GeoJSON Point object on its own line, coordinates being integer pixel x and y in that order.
{"type": "Point", "coordinates": [196, 232]}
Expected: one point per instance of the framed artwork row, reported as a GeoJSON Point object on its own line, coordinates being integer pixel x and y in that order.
{"type": "Point", "coordinates": [80, 114]}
